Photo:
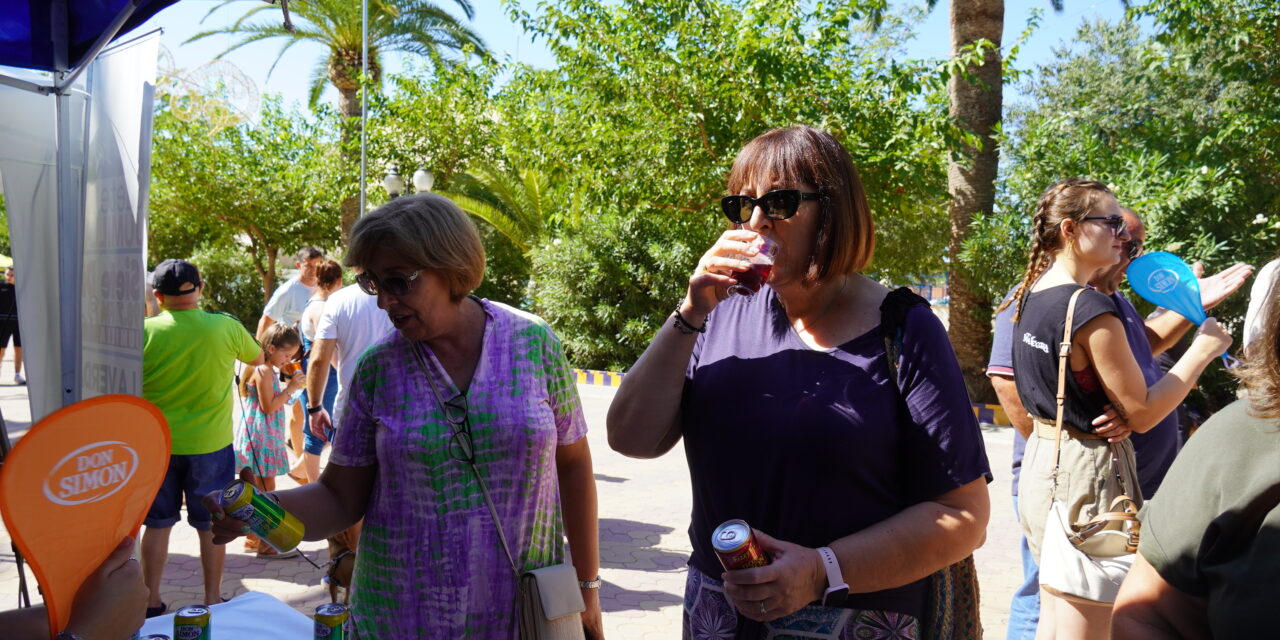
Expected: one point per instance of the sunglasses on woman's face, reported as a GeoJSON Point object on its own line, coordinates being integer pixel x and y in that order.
{"type": "Point", "coordinates": [1133, 247]}
{"type": "Point", "coordinates": [393, 283]}
{"type": "Point", "coordinates": [1116, 224]}
{"type": "Point", "coordinates": [777, 205]}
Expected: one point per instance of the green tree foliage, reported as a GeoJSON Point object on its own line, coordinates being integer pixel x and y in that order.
{"type": "Point", "coordinates": [520, 205]}
{"type": "Point", "coordinates": [641, 118]}
{"type": "Point", "coordinates": [260, 190]}
{"type": "Point", "coordinates": [416, 27]}
{"type": "Point", "coordinates": [4, 229]}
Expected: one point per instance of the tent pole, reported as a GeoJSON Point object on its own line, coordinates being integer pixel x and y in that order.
{"type": "Point", "coordinates": [69, 256]}
{"type": "Point", "coordinates": [101, 43]}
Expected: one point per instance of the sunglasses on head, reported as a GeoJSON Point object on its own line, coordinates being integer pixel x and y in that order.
{"type": "Point", "coordinates": [1116, 224]}
{"type": "Point", "coordinates": [777, 205]}
{"type": "Point", "coordinates": [394, 283]}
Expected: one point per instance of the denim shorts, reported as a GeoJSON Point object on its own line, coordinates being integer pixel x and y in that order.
{"type": "Point", "coordinates": [192, 476]}
{"type": "Point", "coordinates": [312, 444]}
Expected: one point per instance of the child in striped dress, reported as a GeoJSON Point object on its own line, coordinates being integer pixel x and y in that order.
{"type": "Point", "coordinates": [260, 438]}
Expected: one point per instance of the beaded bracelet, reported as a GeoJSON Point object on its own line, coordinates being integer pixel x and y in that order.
{"type": "Point", "coordinates": [684, 326]}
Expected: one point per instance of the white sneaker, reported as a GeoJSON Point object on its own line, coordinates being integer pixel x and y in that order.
{"type": "Point", "coordinates": [18, 379]}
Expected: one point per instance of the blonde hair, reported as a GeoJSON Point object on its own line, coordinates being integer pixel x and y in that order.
{"type": "Point", "coordinates": [1070, 199]}
{"type": "Point", "coordinates": [278, 336]}
{"type": "Point", "coordinates": [1260, 372]}
{"type": "Point", "coordinates": [846, 238]}
{"type": "Point", "coordinates": [428, 230]}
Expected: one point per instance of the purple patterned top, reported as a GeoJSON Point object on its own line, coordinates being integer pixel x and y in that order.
{"type": "Point", "coordinates": [430, 562]}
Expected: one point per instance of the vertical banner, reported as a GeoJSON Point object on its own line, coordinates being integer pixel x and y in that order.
{"type": "Point", "coordinates": [28, 168]}
{"type": "Point", "coordinates": [122, 83]}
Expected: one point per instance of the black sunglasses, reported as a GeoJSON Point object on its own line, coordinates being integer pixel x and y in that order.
{"type": "Point", "coordinates": [777, 205]}
{"type": "Point", "coordinates": [394, 284]}
{"type": "Point", "coordinates": [1116, 224]}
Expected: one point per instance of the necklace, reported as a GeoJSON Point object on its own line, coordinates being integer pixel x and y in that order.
{"type": "Point", "coordinates": [826, 308]}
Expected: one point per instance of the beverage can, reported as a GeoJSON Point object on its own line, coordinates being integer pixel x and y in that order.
{"type": "Point", "coordinates": [332, 621]}
{"type": "Point", "coordinates": [277, 527]}
{"type": "Point", "coordinates": [193, 623]}
{"type": "Point", "coordinates": [737, 546]}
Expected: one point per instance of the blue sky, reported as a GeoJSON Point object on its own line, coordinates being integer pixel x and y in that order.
{"type": "Point", "coordinates": [290, 78]}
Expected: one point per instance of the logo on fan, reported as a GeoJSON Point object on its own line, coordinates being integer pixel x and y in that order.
{"type": "Point", "coordinates": [91, 473]}
{"type": "Point", "coordinates": [1162, 280]}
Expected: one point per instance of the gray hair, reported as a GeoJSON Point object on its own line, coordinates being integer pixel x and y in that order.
{"type": "Point", "coordinates": [427, 230]}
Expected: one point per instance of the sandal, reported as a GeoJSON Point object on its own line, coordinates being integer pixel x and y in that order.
{"type": "Point", "coordinates": [157, 611]}
{"type": "Point", "coordinates": [268, 553]}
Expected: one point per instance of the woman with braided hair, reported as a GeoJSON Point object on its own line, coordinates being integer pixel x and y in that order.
{"type": "Point", "coordinates": [1077, 230]}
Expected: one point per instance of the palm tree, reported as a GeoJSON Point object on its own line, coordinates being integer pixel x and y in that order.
{"type": "Point", "coordinates": [976, 105]}
{"type": "Point", "coordinates": [417, 27]}
{"type": "Point", "coordinates": [519, 204]}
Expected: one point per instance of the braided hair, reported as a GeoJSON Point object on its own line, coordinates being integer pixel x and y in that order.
{"type": "Point", "coordinates": [1070, 199]}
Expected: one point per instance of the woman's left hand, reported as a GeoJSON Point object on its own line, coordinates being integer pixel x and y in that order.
{"type": "Point", "coordinates": [592, 621]}
{"type": "Point", "coordinates": [795, 579]}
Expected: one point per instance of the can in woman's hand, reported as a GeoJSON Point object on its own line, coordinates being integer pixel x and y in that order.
{"type": "Point", "coordinates": [737, 546]}
{"type": "Point", "coordinates": [265, 517]}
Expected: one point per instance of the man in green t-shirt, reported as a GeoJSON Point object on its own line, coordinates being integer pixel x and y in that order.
{"type": "Point", "coordinates": [187, 366]}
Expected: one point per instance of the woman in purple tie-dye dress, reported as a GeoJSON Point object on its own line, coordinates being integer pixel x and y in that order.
{"type": "Point", "coordinates": [430, 562]}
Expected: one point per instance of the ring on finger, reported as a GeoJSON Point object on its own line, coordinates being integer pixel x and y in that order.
{"type": "Point", "coordinates": [763, 609]}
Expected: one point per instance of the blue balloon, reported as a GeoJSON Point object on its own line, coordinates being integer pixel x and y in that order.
{"type": "Point", "coordinates": [1163, 279]}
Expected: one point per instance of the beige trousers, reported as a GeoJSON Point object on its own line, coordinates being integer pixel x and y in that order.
{"type": "Point", "coordinates": [1087, 479]}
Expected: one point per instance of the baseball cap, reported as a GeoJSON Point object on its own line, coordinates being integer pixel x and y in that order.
{"type": "Point", "coordinates": [175, 277]}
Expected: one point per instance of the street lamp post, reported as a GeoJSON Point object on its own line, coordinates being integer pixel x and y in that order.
{"type": "Point", "coordinates": [423, 180]}
{"type": "Point", "coordinates": [393, 183]}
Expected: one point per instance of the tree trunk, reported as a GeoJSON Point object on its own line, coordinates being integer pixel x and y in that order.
{"type": "Point", "coordinates": [971, 181]}
{"type": "Point", "coordinates": [349, 107]}
{"type": "Point", "coordinates": [345, 68]}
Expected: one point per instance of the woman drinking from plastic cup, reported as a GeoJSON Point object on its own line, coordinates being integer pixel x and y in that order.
{"type": "Point", "coordinates": [860, 476]}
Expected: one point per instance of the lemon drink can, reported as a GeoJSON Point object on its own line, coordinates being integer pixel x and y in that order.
{"type": "Point", "coordinates": [265, 517]}
{"type": "Point", "coordinates": [193, 623]}
{"type": "Point", "coordinates": [331, 621]}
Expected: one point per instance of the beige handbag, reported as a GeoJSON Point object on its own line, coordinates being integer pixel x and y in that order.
{"type": "Point", "coordinates": [1086, 560]}
{"type": "Point", "coordinates": [551, 604]}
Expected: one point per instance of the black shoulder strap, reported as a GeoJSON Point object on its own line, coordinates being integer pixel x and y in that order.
{"type": "Point", "coordinates": [893, 320]}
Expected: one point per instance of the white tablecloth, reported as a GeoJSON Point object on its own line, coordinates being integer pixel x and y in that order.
{"type": "Point", "coordinates": [251, 616]}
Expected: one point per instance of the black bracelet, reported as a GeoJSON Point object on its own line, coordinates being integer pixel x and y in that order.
{"type": "Point", "coordinates": [314, 410]}
{"type": "Point", "coordinates": [685, 326]}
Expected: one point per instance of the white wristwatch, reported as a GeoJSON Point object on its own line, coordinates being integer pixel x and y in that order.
{"type": "Point", "coordinates": [837, 591]}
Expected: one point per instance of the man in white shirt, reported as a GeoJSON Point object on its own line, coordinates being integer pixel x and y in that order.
{"type": "Point", "coordinates": [285, 307]}
{"type": "Point", "coordinates": [350, 324]}
{"type": "Point", "coordinates": [289, 299]}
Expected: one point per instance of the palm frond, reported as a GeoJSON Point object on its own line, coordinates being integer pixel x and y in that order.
{"type": "Point", "coordinates": [505, 224]}
{"type": "Point", "coordinates": [319, 78]}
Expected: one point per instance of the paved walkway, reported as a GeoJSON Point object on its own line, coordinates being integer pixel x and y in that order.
{"type": "Point", "coordinates": [644, 517]}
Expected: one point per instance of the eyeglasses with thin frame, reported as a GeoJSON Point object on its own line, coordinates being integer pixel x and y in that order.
{"type": "Point", "coordinates": [394, 283]}
{"type": "Point", "coordinates": [779, 204]}
{"type": "Point", "coordinates": [460, 445]}
{"type": "Point", "coordinates": [1116, 224]}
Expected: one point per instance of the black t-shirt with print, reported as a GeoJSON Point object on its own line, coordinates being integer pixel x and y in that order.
{"type": "Point", "coordinates": [1035, 354]}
